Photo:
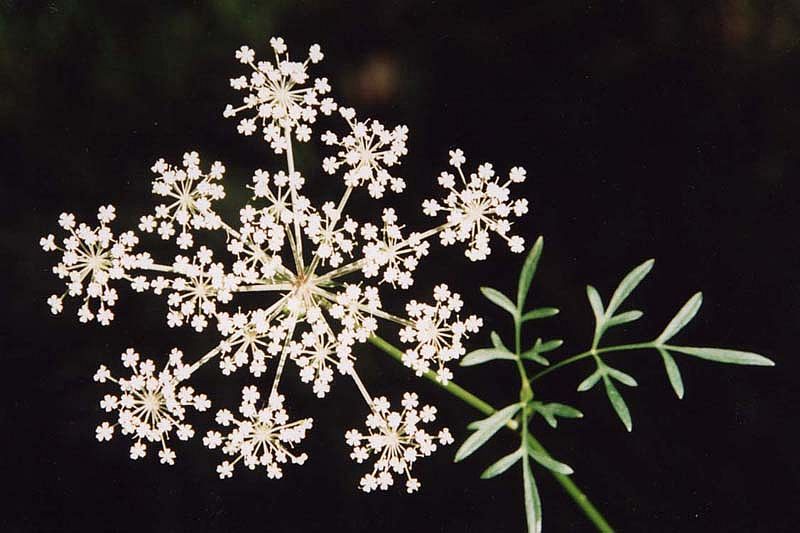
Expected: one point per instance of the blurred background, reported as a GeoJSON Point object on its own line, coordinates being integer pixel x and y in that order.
{"type": "Point", "coordinates": [661, 129]}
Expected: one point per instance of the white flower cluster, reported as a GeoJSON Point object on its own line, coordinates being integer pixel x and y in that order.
{"type": "Point", "coordinates": [190, 193]}
{"type": "Point", "coordinates": [150, 406]}
{"type": "Point", "coordinates": [367, 152]}
{"type": "Point", "coordinates": [397, 440]}
{"type": "Point", "coordinates": [477, 205]}
{"type": "Point", "coordinates": [436, 331]}
{"type": "Point", "coordinates": [264, 438]}
{"type": "Point", "coordinates": [277, 93]}
{"type": "Point", "coordinates": [288, 280]}
{"type": "Point", "coordinates": [90, 258]}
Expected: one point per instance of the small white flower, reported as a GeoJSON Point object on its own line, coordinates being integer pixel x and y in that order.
{"type": "Point", "coordinates": [104, 431]}
{"type": "Point", "coordinates": [245, 54]}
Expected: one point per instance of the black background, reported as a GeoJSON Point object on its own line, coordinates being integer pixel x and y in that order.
{"type": "Point", "coordinates": [649, 129]}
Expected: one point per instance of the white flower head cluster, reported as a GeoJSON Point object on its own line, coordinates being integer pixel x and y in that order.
{"type": "Point", "coordinates": [91, 257]}
{"type": "Point", "coordinates": [436, 331]}
{"type": "Point", "coordinates": [190, 194]}
{"type": "Point", "coordinates": [280, 94]}
{"type": "Point", "coordinates": [249, 338]}
{"type": "Point", "coordinates": [151, 406]}
{"type": "Point", "coordinates": [367, 152]}
{"type": "Point", "coordinates": [397, 440]}
{"type": "Point", "coordinates": [478, 204]}
{"type": "Point", "coordinates": [289, 280]}
{"type": "Point", "coordinates": [263, 438]}
{"type": "Point", "coordinates": [387, 251]}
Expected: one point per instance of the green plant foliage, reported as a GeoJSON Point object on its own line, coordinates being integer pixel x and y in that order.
{"type": "Point", "coordinates": [485, 429]}
{"type": "Point", "coordinates": [520, 415]}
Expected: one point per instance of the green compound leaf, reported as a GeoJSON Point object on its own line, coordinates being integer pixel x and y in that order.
{"type": "Point", "coordinates": [618, 403]}
{"type": "Point", "coordinates": [528, 271]}
{"type": "Point", "coordinates": [673, 373]}
{"type": "Point", "coordinates": [628, 284]}
{"type": "Point", "coordinates": [533, 504]}
{"type": "Point", "coordinates": [683, 317]}
{"type": "Point", "coordinates": [499, 299]}
{"type": "Point", "coordinates": [485, 429]}
{"type": "Point", "coordinates": [541, 312]}
{"type": "Point", "coordinates": [483, 355]}
{"type": "Point", "coordinates": [547, 461]}
{"type": "Point", "coordinates": [722, 355]}
{"type": "Point", "coordinates": [502, 465]}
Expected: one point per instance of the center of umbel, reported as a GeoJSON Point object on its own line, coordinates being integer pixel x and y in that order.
{"type": "Point", "coordinates": [301, 295]}
{"type": "Point", "coordinates": [151, 402]}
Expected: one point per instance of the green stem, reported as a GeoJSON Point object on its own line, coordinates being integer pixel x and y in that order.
{"type": "Point", "coordinates": [590, 353]}
{"type": "Point", "coordinates": [569, 486]}
{"type": "Point", "coordinates": [457, 391]}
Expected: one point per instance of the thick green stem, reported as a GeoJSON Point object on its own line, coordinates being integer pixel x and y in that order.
{"type": "Point", "coordinates": [569, 486]}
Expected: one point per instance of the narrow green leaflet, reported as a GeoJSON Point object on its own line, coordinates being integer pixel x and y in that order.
{"type": "Point", "coordinates": [683, 317]}
{"type": "Point", "coordinates": [485, 354]}
{"type": "Point", "coordinates": [591, 381]}
{"type": "Point", "coordinates": [623, 318]}
{"type": "Point", "coordinates": [548, 346]}
{"type": "Point", "coordinates": [499, 299]}
{"type": "Point", "coordinates": [534, 354]}
{"type": "Point", "coordinates": [596, 303]}
{"type": "Point", "coordinates": [485, 429]}
{"type": "Point", "coordinates": [621, 376]}
{"type": "Point", "coordinates": [673, 373]}
{"type": "Point", "coordinates": [550, 411]}
{"type": "Point", "coordinates": [722, 355]}
{"type": "Point", "coordinates": [528, 271]}
{"type": "Point", "coordinates": [564, 411]}
{"type": "Point", "coordinates": [618, 403]}
{"type": "Point", "coordinates": [628, 284]}
{"type": "Point", "coordinates": [533, 505]}
{"type": "Point", "coordinates": [502, 465]}
{"type": "Point", "coordinates": [540, 312]}
{"type": "Point", "coordinates": [497, 342]}
{"type": "Point", "coordinates": [547, 461]}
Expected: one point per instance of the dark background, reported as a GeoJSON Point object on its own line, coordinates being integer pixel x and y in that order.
{"type": "Point", "coordinates": [649, 129]}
